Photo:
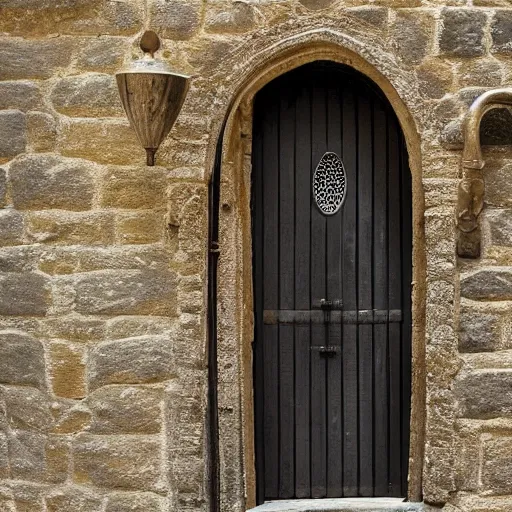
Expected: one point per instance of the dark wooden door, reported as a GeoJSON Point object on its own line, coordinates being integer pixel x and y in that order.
{"type": "Point", "coordinates": [333, 377]}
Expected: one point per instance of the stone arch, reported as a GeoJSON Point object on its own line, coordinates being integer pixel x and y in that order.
{"type": "Point", "coordinates": [234, 295]}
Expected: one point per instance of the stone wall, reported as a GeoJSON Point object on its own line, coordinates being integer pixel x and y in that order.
{"type": "Point", "coordinates": [103, 260]}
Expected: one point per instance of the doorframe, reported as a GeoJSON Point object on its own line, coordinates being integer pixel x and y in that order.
{"type": "Point", "coordinates": [234, 325]}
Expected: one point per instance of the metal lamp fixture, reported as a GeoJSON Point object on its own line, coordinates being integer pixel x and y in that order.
{"type": "Point", "coordinates": [152, 96]}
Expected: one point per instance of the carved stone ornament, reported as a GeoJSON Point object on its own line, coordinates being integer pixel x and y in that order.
{"type": "Point", "coordinates": [329, 184]}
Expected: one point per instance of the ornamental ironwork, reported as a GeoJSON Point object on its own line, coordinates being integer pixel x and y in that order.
{"type": "Point", "coordinates": [329, 184]}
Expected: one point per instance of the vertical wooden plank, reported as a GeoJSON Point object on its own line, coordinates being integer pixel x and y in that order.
{"type": "Point", "coordinates": [302, 292]}
{"type": "Point", "coordinates": [406, 201]}
{"type": "Point", "coordinates": [318, 289]}
{"type": "Point", "coordinates": [380, 297]}
{"type": "Point", "coordinates": [394, 333]}
{"type": "Point", "coordinates": [365, 299]}
{"type": "Point", "coordinates": [257, 205]}
{"type": "Point", "coordinates": [270, 293]}
{"type": "Point", "coordinates": [350, 391]}
{"type": "Point", "coordinates": [286, 291]}
{"type": "Point", "coordinates": [334, 291]}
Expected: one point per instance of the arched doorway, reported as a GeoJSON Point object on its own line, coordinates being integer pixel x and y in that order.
{"type": "Point", "coordinates": [332, 267]}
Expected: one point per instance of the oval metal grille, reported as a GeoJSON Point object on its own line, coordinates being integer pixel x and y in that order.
{"type": "Point", "coordinates": [329, 184]}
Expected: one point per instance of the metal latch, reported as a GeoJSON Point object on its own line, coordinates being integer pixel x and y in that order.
{"type": "Point", "coordinates": [328, 350]}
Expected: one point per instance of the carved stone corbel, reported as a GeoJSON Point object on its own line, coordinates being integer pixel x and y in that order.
{"type": "Point", "coordinates": [470, 203]}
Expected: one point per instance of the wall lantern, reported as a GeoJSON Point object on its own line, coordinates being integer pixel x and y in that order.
{"type": "Point", "coordinates": [152, 96]}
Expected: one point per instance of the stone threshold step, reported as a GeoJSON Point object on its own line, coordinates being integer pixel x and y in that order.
{"type": "Point", "coordinates": [340, 505]}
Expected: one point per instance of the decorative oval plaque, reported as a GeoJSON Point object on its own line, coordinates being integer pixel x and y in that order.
{"type": "Point", "coordinates": [329, 184]}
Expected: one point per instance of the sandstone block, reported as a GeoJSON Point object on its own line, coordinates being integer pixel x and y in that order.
{"type": "Point", "coordinates": [69, 260]}
{"type": "Point", "coordinates": [236, 18]}
{"type": "Point", "coordinates": [24, 294]}
{"type": "Point", "coordinates": [501, 29]}
{"type": "Point", "coordinates": [498, 186]}
{"type": "Point", "coordinates": [22, 258]}
{"type": "Point", "coordinates": [435, 78]}
{"type": "Point", "coordinates": [130, 326]}
{"type": "Point", "coordinates": [176, 19]}
{"type": "Point", "coordinates": [101, 141]}
{"type": "Point", "coordinates": [74, 499]}
{"type": "Point", "coordinates": [376, 16]}
{"type": "Point", "coordinates": [27, 455]}
{"type": "Point", "coordinates": [133, 188]}
{"type": "Point", "coordinates": [489, 283]}
{"type": "Point", "coordinates": [485, 394]}
{"type": "Point", "coordinates": [30, 58]}
{"type": "Point", "coordinates": [497, 466]}
{"type": "Point", "coordinates": [19, 95]}
{"type": "Point", "coordinates": [131, 502]}
{"type": "Point", "coordinates": [481, 73]}
{"type": "Point", "coordinates": [71, 228]}
{"type": "Point", "coordinates": [42, 131]}
{"type": "Point", "coordinates": [13, 133]}
{"type": "Point", "coordinates": [90, 95]}
{"type": "Point", "coordinates": [104, 53]}
{"type": "Point", "coordinates": [315, 5]}
{"type": "Point", "coordinates": [21, 360]}
{"type": "Point", "coordinates": [412, 34]}
{"type": "Point", "coordinates": [57, 453]}
{"type": "Point", "coordinates": [4, 457]}
{"type": "Point", "coordinates": [479, 332]}
{"type": "Point", "coordinates": [7, 501]}
{"type": "Point", "coordinates": [125, 410]}
{"type": "Point", "coordinates": [137, 461]}
{"type": "Point", "coordinates": [139, 360]}
{"type": "Point", "coordinates": [46, 181]}
{"type": "Point", "coordinates": [11, 227]}
{"type": "Point", "coordinates": [74, 420]}
{"type": "Point", "coordinates": [27, 408]}
{"type": "Point", "coordinates": [500, 224]}
{"type": "Point", "coordinates": [73, 328]}
{"type": "Point", "coordinates": [140, 227]}
{"type": "Point", "coordinates": [3, 186]}
{"type": "Point", "coordinates": [462, 33]}
{"type": "Point", "coordinates": [67, 370]}
{"type": "Point", "coordinates": [129, 292]}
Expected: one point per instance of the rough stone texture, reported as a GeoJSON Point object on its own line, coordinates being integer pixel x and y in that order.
{"type": "Point", "coordinates": [42, 131]}
{"type": "Point", "coordinates": [139, 360]}
{"type": "Point", "coordinates": [11, 227]}
{"type": "Point", "coordinates": [91, 95]}
{"type": "Point", "coordinates": [67, 370]}
{"type": "Point", "coordinates": [140, 227]}
{"type": "Point", "coordinates": [46, 181]}
{"type": "Point", "coordinates": [488, 283]}
{"type": "Point", "coordinates": [500, 32]}
{"type": "Point", "coordinates": [26, 408]}
{"type": "Point", "coordinates": [13, 138]}
{"type": "Point", "coordinates": [500, 224]}
{"type": "Point", "coordinates": [24, 294]}
{"type": "Point", "coordinates": [485, 394]}
{"type": "Point", "coordinates": [462, 34]}
{"type": "Point", "coordinates": [479, 332]}
{"type": "Point", "coordinates": [125, 409]}
{"type": "Point", "coordinates": [412, 35]}
{"type": "Point", "coordinates": [143, 502]}
{"type": "Point", "coordinates": [133, 292]}
{"type": "Point", "coordinates": [19, 95]}
{"type": "Point", "coordinates": [22, 360]}
{"type": "Point", "coordinates": [104, 54]}
{"type": "Point", "coordinates": [497, 466]}
{"type": "Point", "coordinates": [137, 462]}
{"type": "Point", "coordinates": [237, 18]}
{"type": "Point", "coordinates": [73, 499]}
{"type": "Point", "coordinates": [175, 19]}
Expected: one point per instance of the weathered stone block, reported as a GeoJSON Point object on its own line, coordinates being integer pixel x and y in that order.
{"type": "Point", "coordinates": [462, 33]}
{"type": "Point", "coordinates": [42, 131]}
{"type": "Point", "coordinates": [413, 35]}
{"type": "Point", "coordinates": [125, 410]}
{"type": "Point", "coordinates": [136, 467]}
{"type": "Point", "coordinates": [72, 421]}
{"type": "Point", "coordinates": [127, 292]}
{"type": "Point", "coordinates": [104, 53]}
{"type": "Point", "coordinates": [27, 455]}
{"type": "Point", "coordinates": [67, 370]}
{"type": "Point", "coordinates": [497, 465]}
{"type": "Point", "coordinates": [101, 141]}
{"type": "Point", "coordinates": [70, 260]}
{"type": "Point", "coordinates": [133, 187]}
{"type": "Point", "coordinates": [57, 457]}
{"type": "Point", "coordinates": [3, 186]}
{"type": "Point", "coordinates": [500, 226]}
{"type": "Point", "coordinates": [498, 186]}
{"type": "Point", "coordinates": [70, 228]}
{"type": "Point", "coordinates": [13, 133]}
{"type": "Point", "coordinates": [137, 360]}
{"type": "Point", "coordinates": [501, 28]}
{"type": "Point", "coordinates": [176, 19]}
{"type": "Point", "coordinates": [90, 95]}
{"type": "Point", "coordinates": [30, 58]}
{"type": "Point", "coordinates": [45, 181]}
{"type": "Point", "coordinates": [140, 227]}
{"type": "Point", "coordinates": [22, 258]}
{"type": "Point", "coordinates": [21, 360]}
{"type": "Point", "coordinates": [4, 457]}
{"type": "Point", "coordinates": [130, 326]}
{"type": "Point", "coordinates": [24, 294]}
{"type": "Point", "coordinates": [376, 16]}
{"type": "Point", "coordinates": [7, 502]}
{"type": "Point", "coordinates": [435, 78]}
{"type": "Point", "coordinates": [19, 95]}
{"type": "Point", "coordinates": [27, 408]}
{"type": "Point", "coordinates": [74, 499]}
{"type": "Point", "coordinates": [479, 332]}
{"type": "Point", "coordinates": [11, 227]}
{"type": "Point", "coordinates": [234, 18]}
{"type": "Point", "coordinates": [489, 283]}
{"type": "Point", "coordinates": [485, 394]}
{"type": "Point", "coordinates": [481, 73]}
{"type": "Point", "coordinates": [73, 328]}
{"type": "Point", "coordinates": [131, 502]}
